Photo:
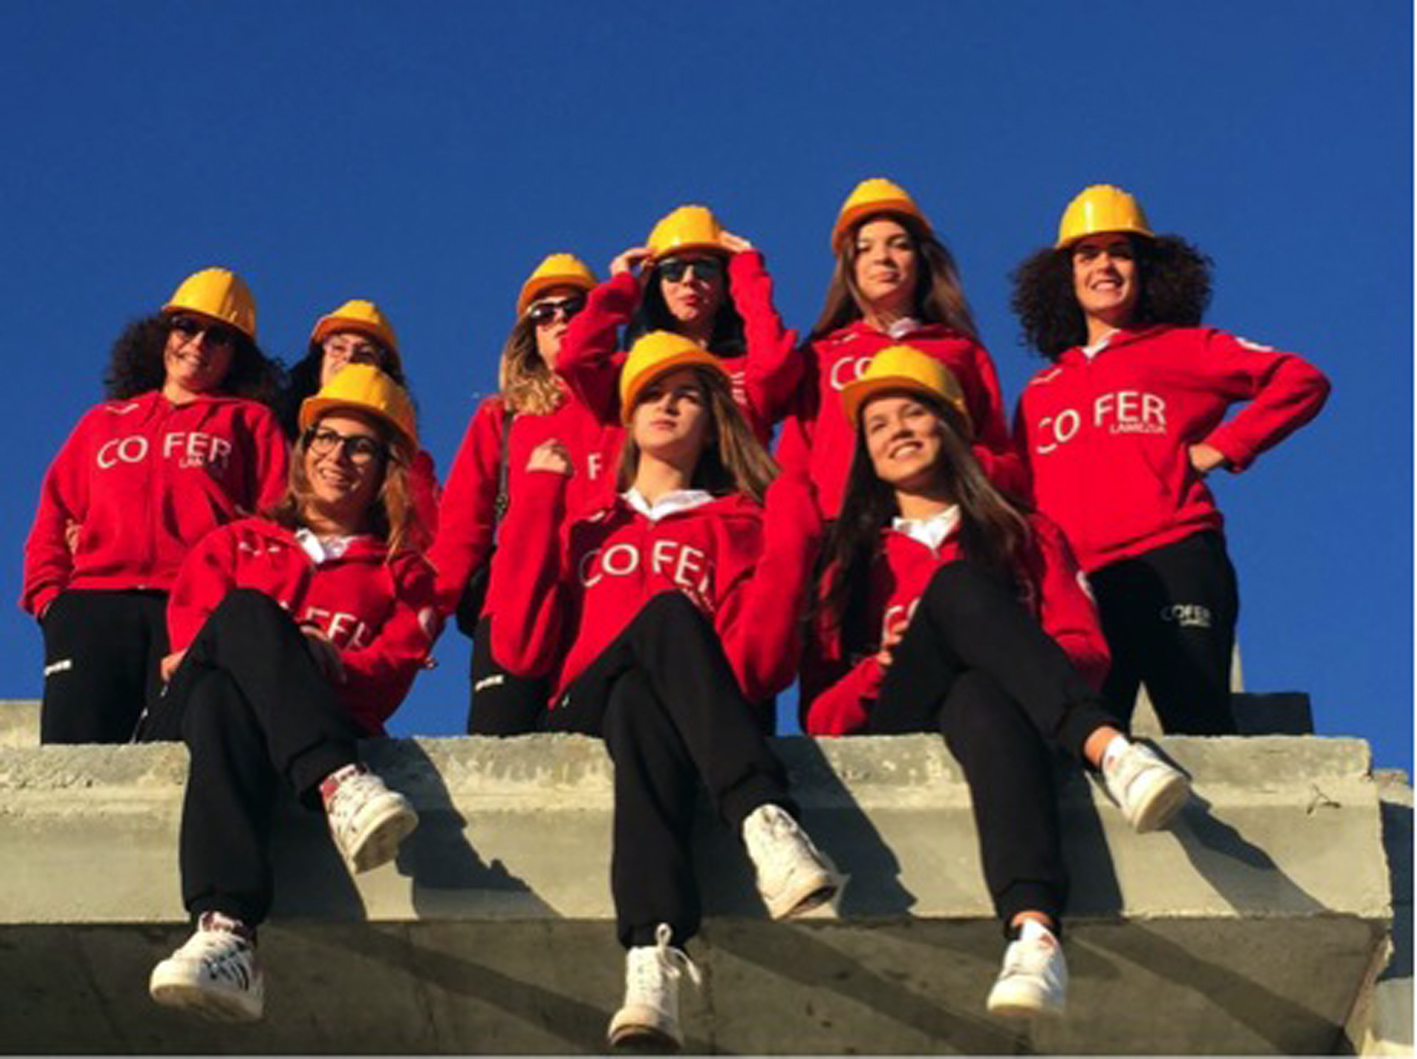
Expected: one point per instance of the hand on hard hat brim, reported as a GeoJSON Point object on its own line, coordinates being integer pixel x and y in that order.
{"type": "Point", "coordinates": [734, 243]}
{"type": "Point", "coordinates": [631, 260]}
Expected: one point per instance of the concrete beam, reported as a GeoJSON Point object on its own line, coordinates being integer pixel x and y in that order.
{"type": "Point", "coordinates": [1249, 928]}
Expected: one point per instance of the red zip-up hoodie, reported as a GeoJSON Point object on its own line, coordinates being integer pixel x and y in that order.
{"type": "Point", "coordinates": [562, 598]}
{"type": "Point", "coordinates": [1108, 440]}
{"type": "Point", "coordinates": [818, 437]}
{"type": "Point", "coordinates": [468, 516]}
{"type": "Point", "coordinates": [380, 614]}
{"type": "Point", "coordinates": [144, 480]}
{"type": "Point", "coordinates": [764, 379]}
{"type": "Point", "coordinates": [838, 692]}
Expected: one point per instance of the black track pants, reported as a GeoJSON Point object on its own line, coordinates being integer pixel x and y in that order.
{"type": "Point", "coordinates": [501, 703]}
{"type": "Point", "coordinates": [1169, 616]}
{"type": "Point", "coordinates": [669, 708]}
{"type": "Point", "coordinates": [101, 655]}
{"type": "Point", "coordinates": [976, 666]}
{"type": "Point", "coordinates": [254, 711]}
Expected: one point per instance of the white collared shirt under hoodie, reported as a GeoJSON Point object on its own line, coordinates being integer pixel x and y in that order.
{"type": "Point", "coordinates": [1097, 347]}
{"type": "Point", "coordinates": [668, 504]}
{"type": "Point", "coordinates": [322, 550]}
{"type": "Point", "coordinates": [932, 531]}
{"type": "Point", "coordinates": [904, 326]}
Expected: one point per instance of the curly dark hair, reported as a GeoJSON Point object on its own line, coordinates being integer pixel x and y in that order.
{"type": "Point", "coordinates": [303, 380]}
{"type": "Point", "coordinates": [728, 338]}
{"type": "Point", "coordinates": [1175, 289]}
{"type": "Point", "coordinates": [135, 364]}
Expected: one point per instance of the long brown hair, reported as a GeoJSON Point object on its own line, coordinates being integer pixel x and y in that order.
{"type": "Point", "coordinates": [993, 529]}
{"type": "Point", "coordinates": [733, 460]}
{"type": "Point", "coordinates": [939, 297]}
{"type": "Point", "coordinates": [393, 518]}
{"type": "Point", "coordinates": [527, 382]}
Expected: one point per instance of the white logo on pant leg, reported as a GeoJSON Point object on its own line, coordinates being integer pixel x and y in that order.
{"type": "Point", "coordinates": [61, 666]}
{"type": "Point", "coordinates": [1187, 615]}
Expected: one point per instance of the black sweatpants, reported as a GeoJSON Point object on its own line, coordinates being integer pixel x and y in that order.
{"type": "Point", "coordinates": [976, 666]}
{"type": "Point", "coordinates": [501, 703]}
{"type": "Point", "coordinates": [254, 710]}
{"type": "Point", "coordinates": [1169, 616]}
{"type": "Point", "coordinates": [665, 700]}
{"type": "Point", "coordinates": [101, 656]}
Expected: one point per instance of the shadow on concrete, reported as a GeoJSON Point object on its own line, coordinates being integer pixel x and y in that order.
{"type": "Point", "coordinates": [1397, 839]}
{"type": "Point", "coordinates": [1093, 889]}
{"type": "Point", "coordinates": [301, 848]}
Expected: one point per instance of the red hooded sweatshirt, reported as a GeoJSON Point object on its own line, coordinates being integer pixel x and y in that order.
{"type": "Point", "coordinates": [838, 692]}
{"type": "Point", "coordinates": [1108, 439]}
{"type": "Point", "coordinates": [562, 598]}
{"type": "Point", "coordinates": [144, 480]}
{"type": "Point", "coordinates": [820, 439]}
{"type": "Point", "coordinates": [764, 378]}
{"type": "Point", "coordinates": [468, 517]}
{"type": "Point", "coordinates": [379, 613]}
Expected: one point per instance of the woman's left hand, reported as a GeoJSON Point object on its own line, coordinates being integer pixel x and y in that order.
{"type": "Point", "coordinates": [1206, 458]}
{"type": "Point", "coordinates": [169, 665]}
{"type": "Point", "coordinates": [734, 243]}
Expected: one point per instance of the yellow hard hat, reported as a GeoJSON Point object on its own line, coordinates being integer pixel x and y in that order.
{"type": "Point", "coordinates": [220, 294]}
{"type": "Point", "coordinates": [358, 315]}
{"type": "Point", "coordinates": [876, 195]}
{"type": "Point", "coordinates": [364, 388]}
{"type": "Point", "coordinates": [898, 368]}
{"type": "Point", "coordinates": [557, 270]}
{"type": "Point", "coordinates": [687, 228]}
{"type": "Point", "coordinates": [1101, 208]}
{"type": "Point", "coordinates": [653, 355]}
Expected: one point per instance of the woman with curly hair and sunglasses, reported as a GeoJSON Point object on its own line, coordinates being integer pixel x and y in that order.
{"type": "Point", "coordinates": [895, 281]}
{"type": "Point", "coordinates": [695, 279]}
{"type": "Point", "coordinates": [184, 443]}
{"type": "Point", "coordinates": [533, 404]}
{"type": "Point", "coordinates": [1121, 430]}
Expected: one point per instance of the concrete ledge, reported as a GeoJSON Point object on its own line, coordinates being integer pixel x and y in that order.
{"type": "Point", "coordinates": [1249, 928]}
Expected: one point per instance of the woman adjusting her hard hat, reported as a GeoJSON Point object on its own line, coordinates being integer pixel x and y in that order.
{"type": "Point", "coordinates": [946, 608]}
{"type": "Point", "coordinates": [895, 281]}
{"type": "Point", "coordinates": [533, 405]}
{"type": "Point", "coordinates": [184, 443]}
{"type": "Point", "coordinates": [358, 332]}
{"type": "Point", "coordinates": [646, 615]}
{"type": "Point", "coordinates": [694, 279]}
{"type": "Point", "coordinates": [1121, 430]}
{"type": "Point", "coordinates": [295, 635]}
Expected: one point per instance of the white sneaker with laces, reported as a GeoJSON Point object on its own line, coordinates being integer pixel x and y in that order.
{"type": "Point", "coordinates": [1034, 977]}
{"type": "Point", "coordinates": [1147, 790]}
{"type": "Point", "coordinates": [648, 1020]}
{"type": "Point", "coordinates": [793, 876]}
{"type": "Point", "coordinates": [214, 973]}
{"type": "Point", "coordinates": [367, 820]}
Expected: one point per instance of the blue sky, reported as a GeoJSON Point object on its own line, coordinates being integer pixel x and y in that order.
{"type": "Point", "coordinates": [427, 155]}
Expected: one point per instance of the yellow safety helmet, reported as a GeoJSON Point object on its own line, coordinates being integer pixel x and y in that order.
{"type": "Point", "coordinates": [1101, 208]}
{"type": "Point", "coordinates": [875, 195]}
{"type": "Point", "coordinates": [220, 294]}
{"type": "Point", "coordinates": [364, 388]}
{"type": "Point", "coordinates": [687, 228]}
{"type": "Point", "coordinates": [362, 316]}
{"type": "Point", "coordinates": [557, 270]}
{"type": "Point", "coordinates": [655, 354]}
{"type": "Point", "coordinates": [898, 368]}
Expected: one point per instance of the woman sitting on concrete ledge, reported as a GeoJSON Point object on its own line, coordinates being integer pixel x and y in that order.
{"type": "Point", "coordinates": [296, 635]}
{"type": "Point", "coordinates": [948, 609]}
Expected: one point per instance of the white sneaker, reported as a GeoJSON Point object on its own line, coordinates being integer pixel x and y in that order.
{"type": "Point", "coordinates": [1034, 978]}
{"type": "Point", "coordinates": [367, 820]}
{"type": "Point", "coordinates": [214, 973]}
{"type": "Point", "coordinates": [1147, 790]}
{"type": "Point", "coordinates": [793, 876]}
{"type": "Point", "coordinates": [648, 1020]}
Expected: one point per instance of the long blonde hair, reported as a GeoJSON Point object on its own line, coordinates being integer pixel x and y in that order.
{"type": "Point", "coordinates": [527, 382]}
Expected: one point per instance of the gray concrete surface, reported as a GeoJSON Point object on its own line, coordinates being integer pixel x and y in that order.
{"type": "Point", "coordinates": [1249, 928]}
{"type": "Point", "coordinates": [19, 722]}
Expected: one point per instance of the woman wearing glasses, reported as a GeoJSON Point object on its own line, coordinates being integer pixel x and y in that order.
{"type": "Point", "coordinates": [296, 635]}
{"type": "Point", "coordinates": [182, 445]}
{"type": "Point", "coordinates": [694, 279]}
{"type": "Point", "coordinates": [532, 405]}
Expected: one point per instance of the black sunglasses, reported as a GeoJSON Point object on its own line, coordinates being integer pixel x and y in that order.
{"type": "Point", "coordinates": [674, 269]}
{"type": "Point", "coordinates": [543, 313]}
{"type": "Point", "coordinates": [191, 327]}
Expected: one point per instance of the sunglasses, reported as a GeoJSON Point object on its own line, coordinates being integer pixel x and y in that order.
{"type": "Point", "coordinates": [675, 269]}
{"type": "Point", "coordinates": [543, 313]}
{"type": "Point", "coordinates": [361, 448]}
{"type": "Point", "coordinates": [191, 327]}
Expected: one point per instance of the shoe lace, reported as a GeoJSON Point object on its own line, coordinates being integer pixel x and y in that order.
{"type": "Point", "coordinates": [665, 961]}
{"type": "Point", "coordinates": [776, 837]}
{"type": "Point", "coordinates": [223, 954]}
{"type": "Point", "coordinates": [352, 792]}
{"type": "Point", "coordinates": [1031, 957]}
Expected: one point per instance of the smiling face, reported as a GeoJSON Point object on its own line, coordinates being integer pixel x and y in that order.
{"type": "Point", "coordinates": [693, 299]}
{"type": "Point", "coordinates": [343, 348]}
{"type": "Point", "coordinates": [672, 419]}
{"type": "Point", "coordinates": [905, 440]}
{"type": "Point", "coordinates": [344, 461]}
{"type": "Point", "coordinates": [1106, 282]}
{"type": "Point", "coordinates": [886, 266]}
{"type": "Point", "coordinates": [197, 354]}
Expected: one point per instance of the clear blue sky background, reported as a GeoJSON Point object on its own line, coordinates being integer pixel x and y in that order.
{"type": "Point", "coordinates": [427, 155]}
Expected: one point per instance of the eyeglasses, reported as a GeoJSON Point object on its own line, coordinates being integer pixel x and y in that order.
{"type": "Point", "coordinates": [361, 448]}
{"type": "Point", "coordinates": [675, 269]}
{"type": "Point", "coordinates": [191, 327]}
{"type": "Point", "coordinates": [543, 313]}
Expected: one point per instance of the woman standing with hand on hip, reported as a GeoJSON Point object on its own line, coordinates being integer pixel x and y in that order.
{"type": "Point", "coordinates": [1122, 430]}
{"type": "Point", "coordinates": [948, 609]}
{"type": "Point", "coordinates": [184, 443]}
